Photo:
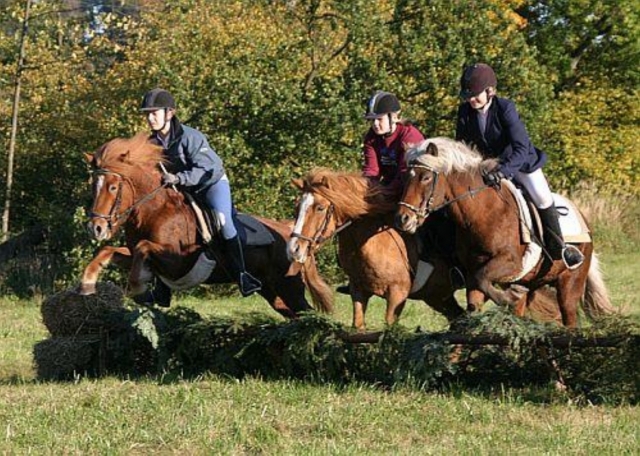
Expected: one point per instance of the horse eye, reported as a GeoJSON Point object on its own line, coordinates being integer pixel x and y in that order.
{"type": "Point", "coordinates": [113, 188]}
{"type": "Point", "coordinates": [320, 208]}
{"type": "Point", "coordinates": [425, 177]}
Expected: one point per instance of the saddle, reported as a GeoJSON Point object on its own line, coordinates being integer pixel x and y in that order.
{"type": "Point", "coordinates": [252, 233]}
{"type": "Point", "coordinates": [572, 223]}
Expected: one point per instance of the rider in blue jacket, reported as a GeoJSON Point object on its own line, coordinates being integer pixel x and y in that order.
{"type": "Point", "coordinates": [493, 125]}
{"type": "Point", "coordinates": [197, 168]}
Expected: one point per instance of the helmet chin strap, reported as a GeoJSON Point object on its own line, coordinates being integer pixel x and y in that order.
{"type": "Point", "coordinates": [391, 125]}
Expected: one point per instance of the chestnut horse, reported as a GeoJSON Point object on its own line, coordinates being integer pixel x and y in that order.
{"type": "Point", "coordinates": [377, 258]}
{"type": "Point", "coordinates": [162, 237]}
{"type": "Point", "coordinates": [446, 175]}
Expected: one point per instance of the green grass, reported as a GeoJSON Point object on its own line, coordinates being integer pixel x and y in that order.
{"type": "Point", "coordinates": [214, 415]}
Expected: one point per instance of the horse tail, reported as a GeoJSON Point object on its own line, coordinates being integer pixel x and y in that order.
{"type": "Point", "coordinates": [321, 292]}
{"type": "Point", "coordinates": [596, 302]}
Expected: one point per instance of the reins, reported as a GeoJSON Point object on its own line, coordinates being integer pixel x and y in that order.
{"type": "Point", "coordinates": [113, 218]}
{"type": "Point", "coordinates": [319, 238]}
{"type": "Point", "coordinates": [424, 212]}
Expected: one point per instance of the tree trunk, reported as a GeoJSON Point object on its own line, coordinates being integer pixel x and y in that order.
{"type": "Point", "coordinates": [14, 122]}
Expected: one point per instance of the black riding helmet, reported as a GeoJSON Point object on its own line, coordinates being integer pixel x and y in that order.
{"type": "Point", "coordinates": [475, 79]}
{"type": "Point", "coordinates": [157, 99]}
{"type": "Point", "coordinates": [380, 104]}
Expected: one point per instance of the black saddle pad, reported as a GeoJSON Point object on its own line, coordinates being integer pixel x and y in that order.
{"type": "Point", "coordinates": [251, 231]}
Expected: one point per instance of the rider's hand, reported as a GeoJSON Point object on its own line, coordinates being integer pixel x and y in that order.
{"type": "Point", "coordinates": [493, 178]}
{"type": "Point", "coordinates": [170, 179]}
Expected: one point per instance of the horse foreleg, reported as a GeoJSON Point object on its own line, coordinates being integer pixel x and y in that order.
{"type": "Point", "coordinates": [396, 300]}
{"type": "Point", "coordinates": [360, 303]}
{"type": "Point", "coordinates": [141, 272]}
{"type": "Point", "coordinates": [120, 256]}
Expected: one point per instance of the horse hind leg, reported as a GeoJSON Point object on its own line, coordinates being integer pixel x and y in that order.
{"type": "Point", "coordinates": [570, 287]}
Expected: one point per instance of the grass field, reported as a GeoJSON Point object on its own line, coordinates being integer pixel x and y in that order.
{"type": "Point", "coordinates": [213, 415]}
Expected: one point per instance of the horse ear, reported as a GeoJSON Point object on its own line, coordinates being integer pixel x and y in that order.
{"type": "Point", "coordinates": [297, 183]}
{"type": "Point", "coordinates": [124, 157]}
{"type": "Point", "coordinates": [432, 149]}
{"type": "Point", "coordinates": [88, 158]}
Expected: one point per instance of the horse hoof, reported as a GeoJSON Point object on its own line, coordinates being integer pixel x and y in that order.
{"type": "Point", "coordinates": [87, 289]}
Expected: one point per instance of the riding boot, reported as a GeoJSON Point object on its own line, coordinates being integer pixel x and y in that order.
{"type": "Point", "coordinates": [553, 241]}
{"type": "Point", "coordinates": [246, 282]}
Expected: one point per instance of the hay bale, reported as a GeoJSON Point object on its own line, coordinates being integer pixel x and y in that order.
{"type": "Point", "coordinates": [69, 313]}
{"type": "Point", "coordinates": [62, 358]}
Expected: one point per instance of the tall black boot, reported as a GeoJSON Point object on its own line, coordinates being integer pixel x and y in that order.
{"type": "Point", "coordinates": [246, 282]}
{"type": "Point", "coordinates": [554, 242]}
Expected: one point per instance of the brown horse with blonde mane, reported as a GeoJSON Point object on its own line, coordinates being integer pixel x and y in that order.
{"type": "Point", "coordinates": [446, 175]}
{"type": "Point", "coordinates": [163, 239]}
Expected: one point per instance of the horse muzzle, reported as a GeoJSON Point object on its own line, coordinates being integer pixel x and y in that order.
{"type": "Point", "coordinates": [99, 229]}
{"type": "Point", "coordinates": [296, 252]}
{"type": "Point", "coordinates": [406, 222]}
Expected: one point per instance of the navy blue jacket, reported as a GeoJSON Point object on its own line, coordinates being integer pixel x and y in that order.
{"type": "Point", "coordinates": [193, 160]}
{"type": "Point", "coordinates": [505, 137]}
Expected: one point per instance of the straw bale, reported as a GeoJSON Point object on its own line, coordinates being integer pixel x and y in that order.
{"type": "Point", "coordinates": [69, 313]}
{"type": "Point", "coordinates": [62, 358]}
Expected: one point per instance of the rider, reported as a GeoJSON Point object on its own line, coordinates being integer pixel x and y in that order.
{"type": "Point", "coordinates": [196, 167]}
{"type": "Point", "coordinates": [492, 124]}
{"type": "Point", "coordinates": [387, 141]}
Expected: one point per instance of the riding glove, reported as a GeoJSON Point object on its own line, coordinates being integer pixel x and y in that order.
{"type": "Point", "coordinates": [170, 179]}
{"type": "Point", "coordinates": [493, 178]}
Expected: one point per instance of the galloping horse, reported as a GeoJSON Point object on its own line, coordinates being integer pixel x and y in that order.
{"type": "Point", "coordinates": [162, 235]}
{"type": "Point", "coordinates": [377, 258]}
{"type": "Point", "coordinates": [446, 175]}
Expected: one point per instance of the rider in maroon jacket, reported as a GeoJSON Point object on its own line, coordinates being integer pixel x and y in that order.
{"type": "Point", "coordinates": [387, 141]}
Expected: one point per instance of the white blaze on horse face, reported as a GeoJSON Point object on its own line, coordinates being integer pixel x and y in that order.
{"type": "Point", "coordinates": [293, 249]}
{"type": "Point", "coordinates": [99, 183]}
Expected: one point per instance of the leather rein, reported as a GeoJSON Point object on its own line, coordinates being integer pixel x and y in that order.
{"type": "Point", "coordinates": [424, 212]}
{"type": "Point", "coordinates": [114, 217]}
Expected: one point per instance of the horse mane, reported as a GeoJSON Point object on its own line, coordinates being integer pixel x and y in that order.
{"type": "Point", "coordinates": [352, 194]}
{"type": "Point", "coordinates": [125, 155]}
{"type": "Point", "coordinates": [452, 156]}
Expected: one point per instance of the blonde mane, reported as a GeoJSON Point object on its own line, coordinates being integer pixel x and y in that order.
{"type": "Point", "coordinates": [452, 156]}
{"type": "Point", "coordinates": [351, 194]}
{"type": "Point", "coordinates": [125, 155]}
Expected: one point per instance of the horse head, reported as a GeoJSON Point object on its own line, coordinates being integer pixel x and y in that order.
{"type": "Point", "coordinates": [124, 175]}
{"type": "Point", "coordinates": [315, 221]}
{"type": "Point", "coordinates": [431, 166]}
{"type": "Point", "coordinates": [420, 194]}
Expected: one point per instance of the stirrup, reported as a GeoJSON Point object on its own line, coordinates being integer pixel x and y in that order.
{"type": "Point", "coordinates": [248, 284]}
{"type": "Point", "coordinates": [572, 257]}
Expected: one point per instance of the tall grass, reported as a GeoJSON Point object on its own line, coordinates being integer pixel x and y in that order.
{"type": "Point", "coordinates": [613, 218]}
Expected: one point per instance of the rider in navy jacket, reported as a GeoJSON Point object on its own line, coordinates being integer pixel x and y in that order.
{"type": "Point", "coordinates": [505, 137]}
{"type": "Point", "coordinates": [493, 126]}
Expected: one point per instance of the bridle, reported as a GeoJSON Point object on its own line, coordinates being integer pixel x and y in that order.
{"type": "Point", "coordinates": [425, 209]}
{"type": "Point", "coordinates": [114, 217]}
{"type": "Point", "coordinates": [319, 237]}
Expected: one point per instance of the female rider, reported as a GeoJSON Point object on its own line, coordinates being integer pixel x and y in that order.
{"type": "Point", "coordinates": [492, 124]}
